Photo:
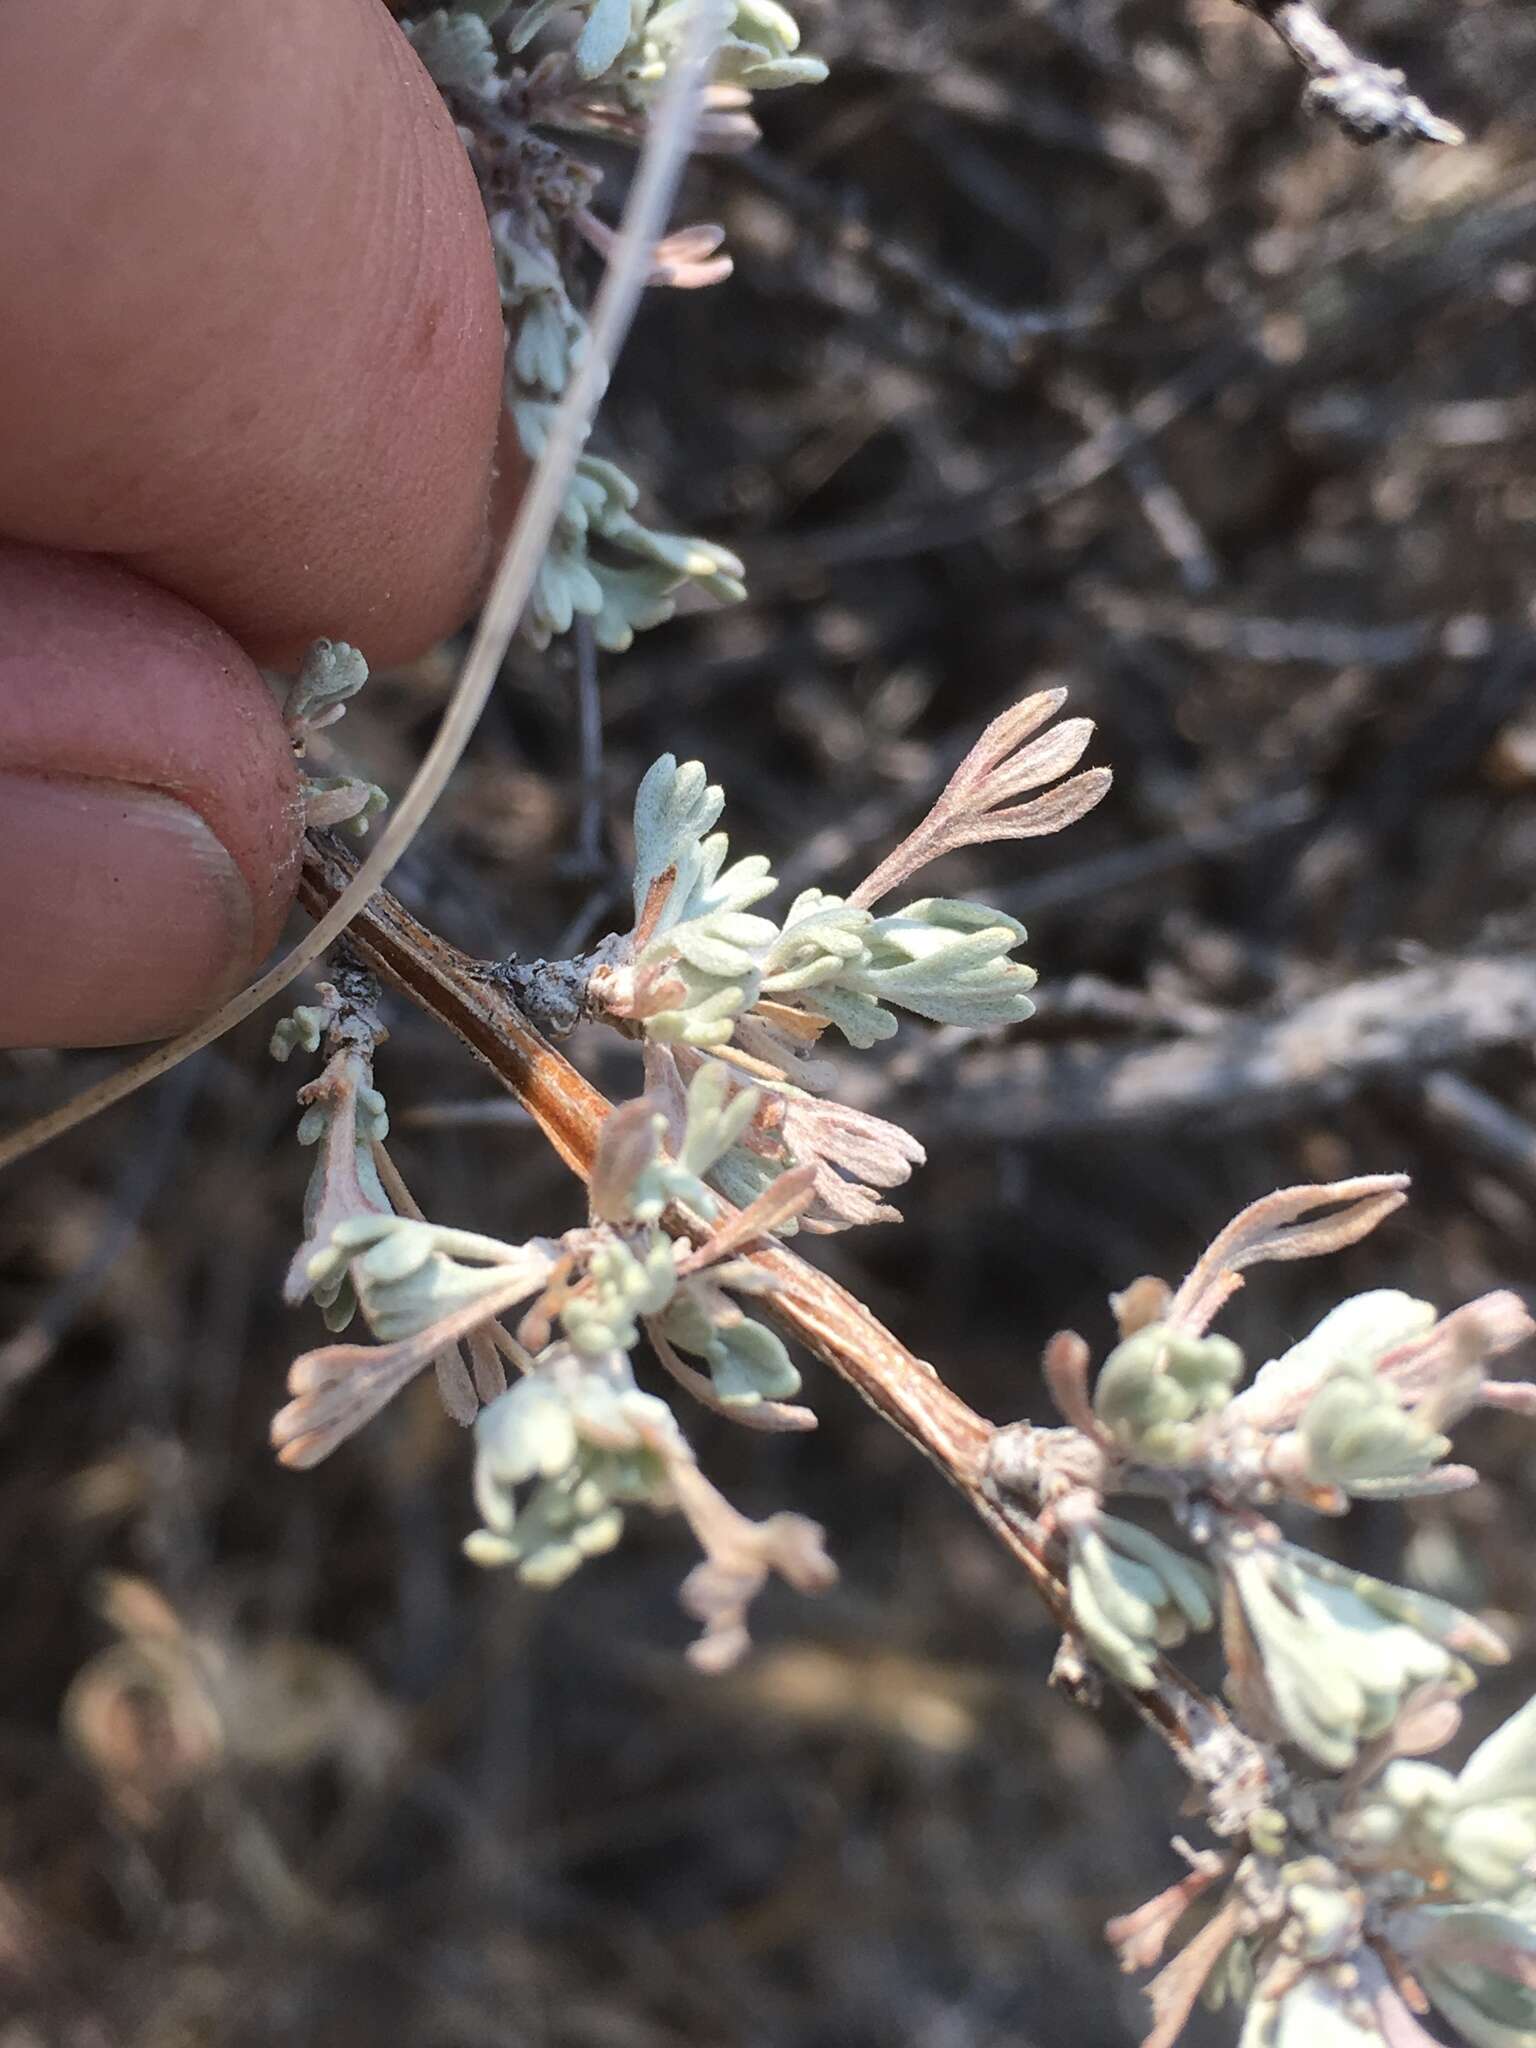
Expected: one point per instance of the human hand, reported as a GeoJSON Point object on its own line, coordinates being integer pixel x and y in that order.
{"type": "Point", "coordinates": [250, 372]}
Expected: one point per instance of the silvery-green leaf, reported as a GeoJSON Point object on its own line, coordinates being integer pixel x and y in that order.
{"type": "Point", "coordinates": [618, 489]}
{"type": "Point", "coordinates": [1132, 1595]}
{"type": "Point", "coordinates": [525, 1431]}
{"type": "Point", "coordinates": [1503, 1767]}
{"type": "Point", "coordinates": [1340, 1658]}
{"type": "Point", "coordinates": [455, 48]}
{"type": "Point", "coordinates": [861, 1020]}
{"type": "Point", "coordinates": [746, 1361]}
{"type": "Point", "coordinates": [623, 1284]}
{"type": "Point", "coordinates": [1444, 1623]}
{"type": "Point", "coordinates": [727, 944]}
{"type": "Point", "coordinates": [707, 1022]}
{"type": "Point", "coordinates": [330, 675]}
{"type": "Point", "coordinates": [946, 961]}
{"type": "Point", "coordinates": [1491, 2007]}
{"type": "Point", "coordinates": [769, 74]}
{"type": "Point", "coordinates": [1125, 1653]}
{"type": "Point", "coordinates": [745, 881]}
{"type": "Point", "coordinates": [1319, 1705]}
{"type": "Point", "coordinates": [633, 600]}
{"type": "Point", "coordinates": [1491, 1848]}
{"type": "Point", "coordinates": [545, 351]}
{"type": "Point", "coordinates": [1185, 1583]}
{"type": "Point", "coordinates": [820, 938]}
{"type": "Point", "coordinates": [409, 1275]}
{"type": "Point", "coordinates": [1160, 1386]}
{"type": "Point", "coordinates": [527, 266]}
{"type": "Point", "coordinates": [1357, 1332]}
{"type": "Point", "coordinates": [302, 1029]}
{"type": "Point", "coordinates": [718, 1111]}
{"type": "Point", "coordinates": [674, 808]}
{"type": "Point", "coordinates": [748, 1364]}
{"type": "Point", "coordinates": [602, 40]}
{"type": "Point", "coordinates": [1356, 1432]}
{"type": "Point", "coordinates": [587, 1442]}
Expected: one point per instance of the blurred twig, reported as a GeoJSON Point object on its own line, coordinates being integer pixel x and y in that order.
{"type": "Point", "coordinates": [1369, 102]}
{"type": "Point", "coordinates": [1316, 1054]}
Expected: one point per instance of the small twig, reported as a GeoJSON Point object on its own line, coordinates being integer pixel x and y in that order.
{"type": "Point", "coordinates": [1369, 102]}
{"type": "Point", "coordinates": [588, 857]}
{"type": "Point", "coordinates": [469, 997]}
{"type": "Point", "coordinates": [146, 1162]}
{"type": "Point", "coordinates": [1250, 1070]}
{"type": "Point", "coordinates": [1488, 1130]}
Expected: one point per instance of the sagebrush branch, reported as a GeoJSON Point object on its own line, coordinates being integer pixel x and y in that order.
{"type": "Point", "coordinates": [1370, 102]}
{"type": "Point", "coordinates": [471, 998]}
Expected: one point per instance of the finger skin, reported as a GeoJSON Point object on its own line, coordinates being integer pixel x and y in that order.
{"type": "Point", "coordinates": [252, 341]}
{"type": "Point", "coordinates": [149, 807]}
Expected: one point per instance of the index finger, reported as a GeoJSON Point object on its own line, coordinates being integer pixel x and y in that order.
{"type": "Point", "coordinates": [252, 339]}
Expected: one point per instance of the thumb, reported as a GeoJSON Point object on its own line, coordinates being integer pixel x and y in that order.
{"type": "Point", "coordinates": [149, 807]}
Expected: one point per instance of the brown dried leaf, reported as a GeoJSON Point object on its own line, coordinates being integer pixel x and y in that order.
{"type": "Point", "coordinates": [775, 1206]}
{"type": "Point", "coordinates": [739, 1554]}
{"type": "Point", "coordinates": [1173, 1990]}
{"type": "Point", "coordinates": [339, 1387]}
{"type": "Point", "coordinates": [1065, 1364]}
{"type": "Point", "coordinates": [1270, 1230]}
{"type": "Point", "coordinates": [626, 1145]}
{"type": "Point", "coordinates": [999, 767]}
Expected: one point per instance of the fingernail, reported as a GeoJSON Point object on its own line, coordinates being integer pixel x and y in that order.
{"type": "Point", "coordinates": [122, 917]}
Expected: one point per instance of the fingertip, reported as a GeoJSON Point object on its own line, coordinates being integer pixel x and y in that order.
{"type": "Point", "coordinates": [273, 382]}
{"type": "Point", "coordinates": [153, 821]}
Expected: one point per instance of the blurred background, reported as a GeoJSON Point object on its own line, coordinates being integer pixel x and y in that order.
{"type": "Point", "coordinates": [1061, 347]}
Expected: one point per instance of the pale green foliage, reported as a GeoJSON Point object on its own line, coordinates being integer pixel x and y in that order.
{"type": "Point", "coordinates": [747, 1363]}
{"type": "Point", "coordinates": [1342, 1653]}
{"type": "Point", "coordinates": [676, 809]}
{"type": "Point", "coordinates": [634, 1180]}
{"type": "Point", "coordinates": [454, 44]}
{"type": "Point", "coordinates": [1479, 1826]}
{"type": "Point", "coordinates": [1159, 1386]}
{"type": "Point", "coordinates": [1132, 1595]}
{"type": "Point", "coordinates": [330, 675]}
{"type": "Point", "coordinates": [410, 1275]}
{"type": "Point", "coordinates": [603, 564]}
{"type": "Point", "coordinates": [940, 959]}
{"type": "Point", "coordinates": [1350, 1339]}
{"type": "Point", "coordinates": [626, 1283]}
{"type": "Point", "coordinates": [300, 1031]}
{"type": "Point", "coordinates": [1477, 1962]}
{"type": "Point", "coordinates": [1358, 1435]}
{"type": "Point", "coordinates": [634, 43]}
{"type": "Point", "coordinates": [590, 1442]}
